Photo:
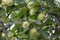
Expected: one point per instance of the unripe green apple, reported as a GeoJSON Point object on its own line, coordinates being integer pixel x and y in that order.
{"type": "Point", "coordinates": [41, 16]}
{"type": "Point", "coordinates": [7, 2]}
{"type": "Point", "coordinates": [56, 2]}
{"type": "Point", "coordinates": [3, 35]}
{"type": "Point", "coordinates": [32, 4]}
{"type": "Point", "coordinates": [31, 12]}
{"type": "Point", "coordinates": [33, 33]}
{"type": "Point", "coordinates": [34, 9]}
{"type": "Point", "coordinates": [25, 24]}
{"type": "Point", "coordinates": [3, 3]}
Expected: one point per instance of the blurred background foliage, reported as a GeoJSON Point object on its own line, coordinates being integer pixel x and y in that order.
{"type": "Point", "coordinates": [30, 19]}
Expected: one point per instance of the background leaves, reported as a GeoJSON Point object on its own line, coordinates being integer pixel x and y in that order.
{"type": "Point", "coordinates": [15, 15]}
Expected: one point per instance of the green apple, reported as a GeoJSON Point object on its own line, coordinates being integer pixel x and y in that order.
{"type": "Point", "coordinates": [7, 2]}
{"type": "Point", "coordinates": [25, 24]}
{"type": "Point", "coordinates": [33, 34]}
{"type": "Point", "coordinates": [41, 16]}
{"type": "Point", "coordinates": [32, 12]}
{"type": "Point", "coordinates": [3, 3]}
{"type": "Point", "coordinates": [33, 31]}
{"type": "Point", "coordinates": [32, 4]}
{"type": "Point", "coordinates": [34, 9]}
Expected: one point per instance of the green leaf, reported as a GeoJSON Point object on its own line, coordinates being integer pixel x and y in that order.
{"type": "Point", "coordinates": [43, 33]}
{"type": "Point", "coordinates": [19, 1]}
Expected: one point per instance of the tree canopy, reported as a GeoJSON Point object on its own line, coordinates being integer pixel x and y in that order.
{"type": "Point", "coordinates": [29, 20]}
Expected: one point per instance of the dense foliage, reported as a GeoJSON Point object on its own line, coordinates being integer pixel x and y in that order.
{"type": "Point", "coordinates": [30, 19]}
